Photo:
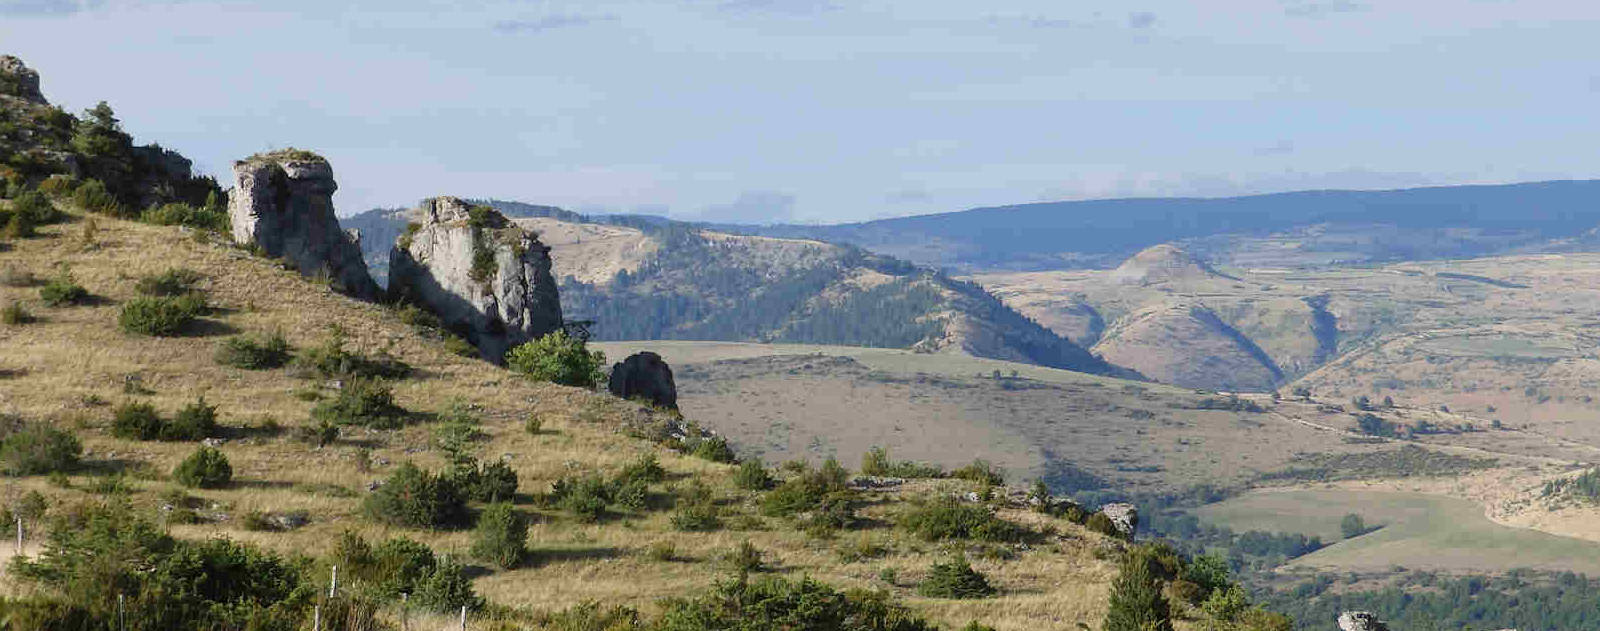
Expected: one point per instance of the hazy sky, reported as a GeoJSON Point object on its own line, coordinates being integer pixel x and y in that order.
{"type": "Point", "coordinates": [829, 110]}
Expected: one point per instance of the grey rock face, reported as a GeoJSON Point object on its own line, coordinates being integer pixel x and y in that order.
{"type": "Point", "coordinates": [1360, 621]}
{"type": "Point", "coordinates": [18, 80]}
{"type": "Point", "coordinates": [483, 276]}
{"type": "Point", "coordinates": [645, 376]}
{"type": "Point", "coordinates": [1124, 516]}
{"type": "Point", "coordinates": [283, 203]}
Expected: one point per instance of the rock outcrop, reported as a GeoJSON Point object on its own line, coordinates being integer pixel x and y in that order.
{"type": "Point", "coordinates": [1361, 621]}
{"type": "Point", "coordinates": [485, 278]}
{"type": "Point", "coordinates": [645, 376]}
{"type": "Point", "coordinates": [1124, 517]}
{"type": "Point", "coordinates": [18, 80]}
{"type": "Point", "coordinates": [282, 203]}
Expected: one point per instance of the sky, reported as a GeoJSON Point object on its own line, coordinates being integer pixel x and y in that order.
{"type": "Point", "coordinates": [809, 111]}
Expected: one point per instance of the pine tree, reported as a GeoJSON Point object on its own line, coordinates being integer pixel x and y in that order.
{"type": "Point", "coordinates": [1136, 600]}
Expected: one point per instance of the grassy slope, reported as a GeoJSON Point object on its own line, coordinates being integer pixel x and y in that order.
{"type": "Point", "coordinates": [60, 369]}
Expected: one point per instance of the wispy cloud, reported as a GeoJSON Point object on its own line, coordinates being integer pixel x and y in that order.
{"type": "Point", "coordinates": [753, 207]}
{"type": "Point", "coordinates": [1321, 8]}
{"type": "Point", "coordinates": [1141, 19]}
{"type": "Point", "coordinates": [792, 7]}
{"type": "Point", "coordinates": [549, 23]}
{"type": "Point", "coordinates": [43, 8]}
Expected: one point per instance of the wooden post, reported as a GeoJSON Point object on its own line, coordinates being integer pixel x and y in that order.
{"type": "Point", "coordinates": [463, 618]}
{"type": "Point", "coordinates": [19, 534]}
{"type": "Point", "coordinates": [405, 611]}
{"type": "Point", "coordinates": [333, 583]}
{"type": "Point", "coordinates": [316, 618]}
{"type": "Point", "coordinates": [122, 614]}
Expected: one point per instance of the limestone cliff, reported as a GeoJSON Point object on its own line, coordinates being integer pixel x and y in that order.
{"type": "Point", "coordinates": [484, 277]}
{"type": "Point", "coordinates": [282, 203]}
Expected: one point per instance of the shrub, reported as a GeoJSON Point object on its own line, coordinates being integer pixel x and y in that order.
{"type": "Point", "coordinates": [646, 469]}
{"type": "Point", "coordinates": [664, 551]}
{"type": "Point", "coordinates": [1136, 600]}
{"type": "Point", "coordinates": [35, 209]}
{"type": "Point", "coordinates": [18, 226]}
{"type": "Point", "coordinates": [57, 185]}
{"type": "Point", "coordinates": [955, 579]}
{"type": "Point", "coordinates": [361, 401]}
{"type": "Point", "coordinates": [195, 421]}
{"type": "Point", "coordinates": [752, 476]}
{"type": "Point", "coordinates": [415, 498]}
{"type": "Point", "coordinates": [715, 449]}
{"type": "Point", "coordinates": [156, 316]}
{"type": "Point", "coordinates": [946, 519]}
{"type": "Point", "coordinates": [15, 313]}
{"type": "Point", "coordinates": [806, 490]}
{"type": "Point", "coordinates": [331, 360]}
{"type": "Point", "coordinates": [492, 482]}
{"type": "Point", "coordinates": [180, 214]}
{"type": "Point", "coordinates": [93, 197]}
{"type": "Point", "coordinates": [136, 421]}
{"type": "Point", "coordinates": [501, 536]}
{"type": "Point", "coordinates": [206, 468]}
{"type": "Point", "coordinates": [62, 290]}
{"type": "Point", "coordinates": [745, 559]}
{"type": "Point", "coordinates": [254, 353]}
{"type": "Point", "coordinates": [446, 589]}
{"type": "Point", "coordinates": [37, 449]}
{"type": "Point", "coordinates": [535, 424]}
{"type": "Point", "coordinates": [174, 282]}
{"type": "Point", "coordinates": [559, 358]}
{"type": "Point", "coordinates": [1102, 524]}
{"type": "Point", "coordinates": [982, 472]}
{"type": "Point", "coordinates": [585, 497]}
{"type": "Point", "coordinates": [772, 602]}
{"type": "Point", "coordinates": [322, 433]}
{"type": "Point", "coordinates": [876, 462]}
{"type": "Point", "coordinates": [697, 517]}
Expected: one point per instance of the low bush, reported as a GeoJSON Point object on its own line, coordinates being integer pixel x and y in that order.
{"type": "Point", "coordinates": [206, 468]}
{"type": "Point", "coordinates": [955, 579]}
{"type": "Point", "coordinates": [559, 358]}
{"type": "Point", "coordinates": [196, 421]}
{"type": "Point", "coordinates": [15, 314]}
{"type": "Point", "coordinates": [63, 290]}
{"type": "Point", "coordinates": [981, 472]}
{"type": "Point", "coordinates": [92, 196]}
{"type": "Point", "coordinates": [585, 497]}
{"type": "Point", "coordinates": [180, 214]}
{"type": "Point", "coordinates": [362, 401]}
{"type": "Point", "coordinates": [37, 449]}
{"type": "Point", "coordinates": [492, 482]}
{"type": "Point", "coordinates": [876, 462]}
{"type": "Point", "coordinates": [255, 353]}
{"type": "Point", "coordinates": [752, 476]}
{"type": "Point", "coordinates": [158, 316]}
{"type": "Point", "coordinates": [715, 449]}
{"type": "Point", "coordinates": [500, 537]}
{"type": "Point", "coordinates": [136, 421]}
{"type": "Point", "coordinates": [946, 519]}
{"type": "Point", "coordinates": [806, 490]}
{"type": "Point", "coordinates": [174, 282]}
{"type": "Point", "coordinates": [772, 602]}
{"type": "Point", "coordinates": [415, 498]}
{"type": "Point", "coordinates": [697, 517]}
{"type": "Point", "coordinates": [331, 360]}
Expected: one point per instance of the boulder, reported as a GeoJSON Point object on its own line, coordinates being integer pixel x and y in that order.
{"type": "Point", "coordinates": [485, 278]}
{"type": "Point", "coordinates": [1125, 517]}
{"type": "Point", "coordinates": [18, 80]}
{"type": "Point", "coordinates": [645, 376]}
{"type": "Point", "coordinates": [1360, 621]}
{"type": "Point", "coordinates": [282, 203]}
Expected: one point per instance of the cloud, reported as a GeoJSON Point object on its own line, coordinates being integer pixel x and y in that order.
{"type": "Point", "coordinates": [1321, 8]}
{"type": "Point", "coordinates": [1141, 19]}
{"type": "Point", "coordinates": [40, 8]}
{"type": "Point", "coordinates": [908, 196]}
{"type": "Point", "coordinates": [1282, 147]}
{"type": "Point", "coordinates": [549, 23]}
{"type": "Point", "coordinates": [752, 207]}
{"type": "Point", "coordinates": [792, 7]}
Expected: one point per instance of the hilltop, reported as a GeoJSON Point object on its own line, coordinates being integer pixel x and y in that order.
{"type": "Point", "coordinates": [643, 279]}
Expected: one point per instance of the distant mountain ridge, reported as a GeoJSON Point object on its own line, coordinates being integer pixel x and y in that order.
{"type": "Point", "coordinates": [1434, 222]}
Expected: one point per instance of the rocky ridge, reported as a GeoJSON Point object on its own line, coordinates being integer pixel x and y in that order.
{"type": "Point", "coordinates": [485, 278]}
{"type": "Point", "coordinates": [282, 204]}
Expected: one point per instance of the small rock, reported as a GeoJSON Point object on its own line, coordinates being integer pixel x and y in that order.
{"type": "Point", "coordinates": [1360, 621]}
{"type": "Point", "coordinates": [1124, 516]}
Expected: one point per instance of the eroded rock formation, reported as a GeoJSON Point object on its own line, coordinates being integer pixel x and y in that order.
{"type": "Point", "coordinates": [485, 278]}
{"type": "Point", "coordinates": [1361, 621]}
{"type": "Point", "coordinates": [645, 376]}
{"type": "Point", "coordinates": [18, 80]}
{"type": "Point", "coordinates": [1125, 517]}
{"type": "Point", "coordinates": [282, 203]}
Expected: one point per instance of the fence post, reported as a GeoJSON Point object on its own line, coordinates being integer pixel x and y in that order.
{"type": "Point", "coordinates": [463, 618]}
{"type": "Point", "coordinates": [405, 611]}
{"type": "Point", "coordinates": [333, 583]}
{"type": "Point", "coordinates": [19, 535]}
{"type": "Point", "coordinates": [316, 618]}
{"type": "Point", "coordinates": [122, 613]}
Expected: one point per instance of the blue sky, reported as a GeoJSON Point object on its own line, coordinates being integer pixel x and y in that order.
{"type": "Point", "coordinates": [833, 110]}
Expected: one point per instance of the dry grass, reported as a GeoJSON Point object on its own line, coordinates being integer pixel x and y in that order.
{"type": "Point", "coordinates": [72, 367]}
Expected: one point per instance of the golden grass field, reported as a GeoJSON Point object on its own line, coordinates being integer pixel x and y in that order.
{"type": "Point", "coordinates": [71, 367]}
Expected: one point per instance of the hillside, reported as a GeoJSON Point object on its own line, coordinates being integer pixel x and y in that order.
{"type": "Point", "coordinates": [641, 280]}
{"type": "Point", "coordinates": [72, 368]}
{"type": "Point", "coordinates": [1278, 229]}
